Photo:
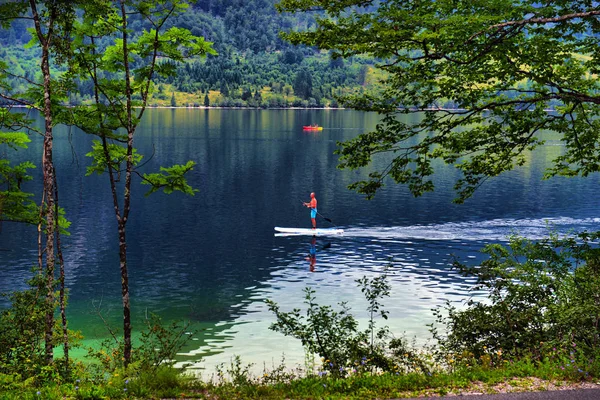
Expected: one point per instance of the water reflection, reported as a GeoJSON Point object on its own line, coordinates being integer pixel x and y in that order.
{"type": "Point", "coordinates": [314, 248]}
{"type": "Point", "coordinates": [312, 254]}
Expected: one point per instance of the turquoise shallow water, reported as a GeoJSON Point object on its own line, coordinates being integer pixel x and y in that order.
{"type": "Point", "coordinates": [212, 259]}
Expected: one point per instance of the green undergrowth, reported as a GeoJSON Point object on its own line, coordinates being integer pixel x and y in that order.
{"type": "Point", "coordinates": [236, 382]}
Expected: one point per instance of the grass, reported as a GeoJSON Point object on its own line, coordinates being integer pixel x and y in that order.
{"type": "Point", "coordinates": [237, 383]}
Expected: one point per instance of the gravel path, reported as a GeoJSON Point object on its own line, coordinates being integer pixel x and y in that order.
{"type": "Point", "coordinates": [522, 389]}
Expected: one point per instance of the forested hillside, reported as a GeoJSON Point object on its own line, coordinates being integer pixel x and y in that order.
{"type": "Point", "coordinates": [254, 66]}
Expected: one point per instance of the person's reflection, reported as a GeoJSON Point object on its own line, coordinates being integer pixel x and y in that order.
{"type": "Point", "coordinates": [312, 254]}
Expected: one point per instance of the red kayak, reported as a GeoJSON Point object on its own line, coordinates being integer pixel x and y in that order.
{"type": "Point", "coordinates": [312, 128]}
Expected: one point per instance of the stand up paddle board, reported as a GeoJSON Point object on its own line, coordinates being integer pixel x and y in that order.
{"type": "Point", "coordinates": [309, 232]}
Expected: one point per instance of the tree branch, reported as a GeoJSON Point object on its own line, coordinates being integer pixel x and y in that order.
{"type": "Point", "coordinates": [19, 101]}
{"type": "Point", "coordinates": [530, 21]}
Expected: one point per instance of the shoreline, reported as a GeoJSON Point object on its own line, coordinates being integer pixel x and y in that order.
{"type": "Point", "coordinates": [549, 110]}
{"type": "Point", "coordinates": [205, 107]}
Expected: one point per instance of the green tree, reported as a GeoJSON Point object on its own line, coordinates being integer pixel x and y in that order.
{"type": "Point", "coordinates": [127, 66]}
{"type": "Point", "coordinates": [246, 94]}
{"type": "Point", "coordinates": [173, 100]}
{"type": "Point", "coordinates": [224, 89]}
{"type": "Point", "coordinates": [257, 99]}
{"type": "Point", "coordinates": [303, 84]}
{"type": "Point", "coordinates": [501, 64]}
{"type": "Point", "coordinates": [362, 75]}
{"type": "Point", "coordinates": [206, 100]}
{"type": "Point", "coordinates": [52, 22]}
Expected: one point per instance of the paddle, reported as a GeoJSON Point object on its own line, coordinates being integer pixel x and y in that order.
{"type": "Point", "coordinates": [325, 218]}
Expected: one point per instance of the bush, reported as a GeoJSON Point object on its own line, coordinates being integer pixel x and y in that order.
{"type": "Point", "coordinates": [22, 331]}
{"type": "Point", "coordinates": [160, 343]}
{"type": "Point", "coordinates": [335, 337]}
{"type": "Point", "coordinates": [158, 346]}
{"type": "Point", "coordinates": [22, 337]}
{"type": "Point", "coordinates": [539, 297]}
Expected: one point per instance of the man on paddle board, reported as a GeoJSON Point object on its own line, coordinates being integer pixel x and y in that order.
{"type": "Point", "coordinates": [313, 209]}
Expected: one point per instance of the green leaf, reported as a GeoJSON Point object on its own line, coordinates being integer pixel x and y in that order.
{"type": "Point", "coordinates": [170, 179]}
{"type": "Point", "coordinates": [14, 139]}
{"type": "Point", "coordinates": [113, 156]}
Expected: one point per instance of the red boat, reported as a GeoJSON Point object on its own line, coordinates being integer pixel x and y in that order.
{"type": "Point", "coordinates": [312, 128]}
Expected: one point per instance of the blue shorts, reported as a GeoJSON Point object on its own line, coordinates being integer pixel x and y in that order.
{"type": "Point", "coordinates": [313, 213]}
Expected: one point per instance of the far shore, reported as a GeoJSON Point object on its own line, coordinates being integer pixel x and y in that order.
{"type": "Point", "coordinates": [270, 108]}
{"type": "Point", "coordinates": [204, 107]}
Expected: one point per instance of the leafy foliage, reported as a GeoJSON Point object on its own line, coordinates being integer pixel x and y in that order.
{"type": "Point", "coordinates": [157, 346]}
{"type": "Point", "coordinates": [374, 290]}
{"type": "Point", "coordinates": [334, 335]}
{"type": "Point", "coordinates": [331, 334]}
{"type": "Point", "coordinates": [116, 158]}
{"type": "Point", "coordinates": [15, 204]}
{"type": "Point", "coordinates": [481, 77]}
{"type": "Point", "coordinates": [539, 297]}
{"type": "Point", "coordinates": [22, 329]}
{"type": "Point", "coordinates": [14, 140]}
{"type": "Point", "coordinates": [170, 179]}
{"type": "Point", "coordinates": [159, 343]}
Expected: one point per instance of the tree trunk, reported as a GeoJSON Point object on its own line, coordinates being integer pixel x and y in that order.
{"type": "Point", "coordinates": [48, 180]}
{"type": "Point", "coordinates": [126, 198]}
{"type": "Point", "coordinates": [61, 262]}
{"type": "Point", "coordinates": [48, 169]}
{"type": "Point", "coordinates": [125, 294]}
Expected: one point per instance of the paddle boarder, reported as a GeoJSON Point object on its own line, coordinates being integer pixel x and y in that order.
{"type": "Point", "coordinates": [312, 204]}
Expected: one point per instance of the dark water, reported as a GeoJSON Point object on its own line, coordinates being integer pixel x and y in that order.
{"type": "Point", "coordinates": [213, 258]}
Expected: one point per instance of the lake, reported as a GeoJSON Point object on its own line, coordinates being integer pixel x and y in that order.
{"type": "Point", "coordinates": [212, 259]}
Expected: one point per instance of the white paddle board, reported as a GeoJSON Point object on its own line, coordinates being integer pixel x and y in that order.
{"type": "Point", "coordinates": [309, 231]}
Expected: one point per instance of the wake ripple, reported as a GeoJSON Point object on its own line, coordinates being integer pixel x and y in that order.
{"type": "Point", "coordinates": [496, 229]}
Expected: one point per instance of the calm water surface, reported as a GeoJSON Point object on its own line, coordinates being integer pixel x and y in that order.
{"type": "Point", "coordinates": [213, 259]}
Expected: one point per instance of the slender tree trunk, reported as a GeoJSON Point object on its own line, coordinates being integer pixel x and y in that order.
{"type": "Point", "coordinates": [40, 228]}
{"type": "Point", "coordinates": [63, 301]}
{"type": "Point", "coordinates": [121, 226]}
{"type": "Point", "coordinates": [126, 199]}
{"type": "Point", "coordinates": [48, 178]}
{"type": "Point", "coordinates": [48, 170]}
{"type": "Point", "coordinates": [125, 295]}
